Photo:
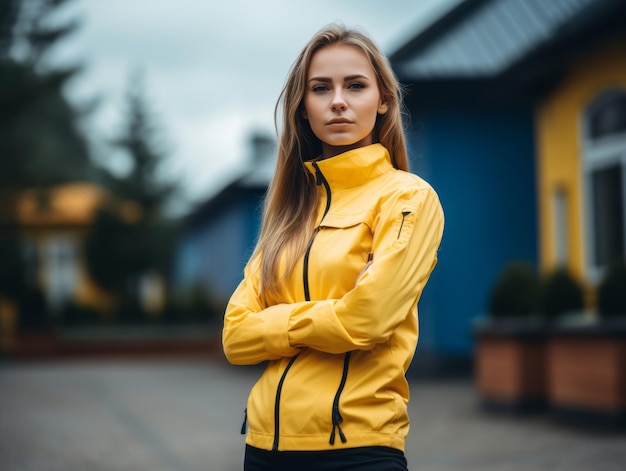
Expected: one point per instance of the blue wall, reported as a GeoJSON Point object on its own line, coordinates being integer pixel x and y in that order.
{"type": "Point", "coordinates": [213, 253]}
{"type": "Point", "coordinates": [482, 164]}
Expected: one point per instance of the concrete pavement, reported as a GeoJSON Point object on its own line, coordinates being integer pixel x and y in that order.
{"type": "Point", "coordinates": [185, 414]}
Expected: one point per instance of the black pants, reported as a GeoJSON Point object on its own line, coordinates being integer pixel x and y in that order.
{"type": "Point", "coordinates": [371, 458]}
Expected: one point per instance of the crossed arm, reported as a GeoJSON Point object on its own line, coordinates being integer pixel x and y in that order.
{"type": "Point", "coordinates": [404, 255]}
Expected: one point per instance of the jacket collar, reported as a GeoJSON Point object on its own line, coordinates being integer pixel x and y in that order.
{"type": "Point", "coordinates": [354, 167]}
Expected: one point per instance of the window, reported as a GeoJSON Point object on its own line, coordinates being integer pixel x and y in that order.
{"type": "Point", "coordinates": [608, 211]}
{"type": "Point", "coordinates": [608, 116]}
{"type": "Point", "coordinates": [605, 177]}
{"type": "Point", "coordinates": [61, 270]}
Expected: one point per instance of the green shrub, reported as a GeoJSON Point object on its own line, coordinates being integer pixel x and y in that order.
{"type": "Point", "coordinates": [612, 292]}
{"type": "Point", "coordinates": [561, 294]}
{"type": "Point", "coordinates": [516, 291]}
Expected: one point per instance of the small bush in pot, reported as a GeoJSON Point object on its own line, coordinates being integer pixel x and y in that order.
{"type": "Point", "coordinates": [561, 294]}
{"type": "Point", "coordinates": [516, 292]}
{"type": "Point", "coordinates": [587, 362]}
{"type": "Point", "coordinates": [509, 357]}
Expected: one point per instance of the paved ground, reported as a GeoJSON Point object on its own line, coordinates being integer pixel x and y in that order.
{"type": "Point", "coordinates": [185, 415]}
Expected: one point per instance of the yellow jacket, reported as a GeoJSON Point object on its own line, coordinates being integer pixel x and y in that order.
{"type": "Point", "coordinates": [338, 347]}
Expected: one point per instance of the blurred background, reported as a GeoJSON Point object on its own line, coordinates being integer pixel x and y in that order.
{"type": "Point", "coordinates": [137, 142]}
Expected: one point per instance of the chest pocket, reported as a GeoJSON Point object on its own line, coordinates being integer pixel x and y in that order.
{"type": "Point", "coordinates": [341, 249]}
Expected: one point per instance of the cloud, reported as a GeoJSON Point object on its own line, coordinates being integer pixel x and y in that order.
{"type": "Point", "coordinates": [212, 150]}
{"type": "Point", "coordinates": [213, 69]}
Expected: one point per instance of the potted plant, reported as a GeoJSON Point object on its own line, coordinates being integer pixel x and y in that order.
{"type": "Point", "coordinates": [587, 360]}
{"type": "Point", "coordinates": [509, 355]}
{"type": "Point", "coordinates": [562, 295]}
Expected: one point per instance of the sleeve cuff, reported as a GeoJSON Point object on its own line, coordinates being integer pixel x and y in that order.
{"type": "Point", "coordinates": [275, 331]}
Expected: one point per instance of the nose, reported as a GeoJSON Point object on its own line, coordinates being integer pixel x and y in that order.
{"type": "Point", "coordinates": [338, 103]}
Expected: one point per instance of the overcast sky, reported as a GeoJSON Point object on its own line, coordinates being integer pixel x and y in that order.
{"type": "Point", "coordinates": [213, 69]}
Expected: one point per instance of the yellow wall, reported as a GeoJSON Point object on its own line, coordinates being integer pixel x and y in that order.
{"type": "Point", "coordinates": [559, 146]}
{"type": "Point", "coordinates": [68, 204]}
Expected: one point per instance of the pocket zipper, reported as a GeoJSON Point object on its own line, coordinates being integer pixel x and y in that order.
{"type": "Point", "coordinates": [404, 215]}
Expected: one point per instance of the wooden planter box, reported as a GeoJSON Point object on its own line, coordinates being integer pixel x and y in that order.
{"type": "Point", "coordinates": [510, 372]}
{"type": "Point", "coordinates": [587, 374]}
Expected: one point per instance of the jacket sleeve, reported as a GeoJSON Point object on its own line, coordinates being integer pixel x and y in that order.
{"type": "Point", "coordinates": [248, 335]}
{"type": "Point", "coordinates": [407, 234]}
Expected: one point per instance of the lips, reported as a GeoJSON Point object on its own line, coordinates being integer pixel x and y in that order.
{"type": "Point", "coordinates": [339, 121]}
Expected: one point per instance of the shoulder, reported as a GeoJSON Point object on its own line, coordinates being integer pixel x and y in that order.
{"type": "Point", "coordinates": [412, 180]}
{"type": "Point", "coordinates": [405, 191]}
{"type": "Point", "coordinates": [406, 185]}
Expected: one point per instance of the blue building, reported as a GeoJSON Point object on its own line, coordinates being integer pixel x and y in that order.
{"type": "Point", "coordinates": [220, 234]}
{"type": "Point", "coordinates": [475, 78]}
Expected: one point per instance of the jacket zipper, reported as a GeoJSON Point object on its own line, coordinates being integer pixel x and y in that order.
{"type": "Point", "coordinates": [337, 419]}
{"type": "Point", "coordinates": [245, 421]}
{"type": "Point", "coordinates": [277, 404]}
{"type": "Point", "coordinates": [404, 215]}
{"type": "Point", "coordinates": [319, 180]}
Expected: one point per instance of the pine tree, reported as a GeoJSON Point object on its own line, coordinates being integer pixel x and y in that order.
{"type": "Point", "coordinates": [132, 236]}
{"type": "Point", "coordinates": [40, 140]}
{"type": "Point", "coordinates": [141, 141]}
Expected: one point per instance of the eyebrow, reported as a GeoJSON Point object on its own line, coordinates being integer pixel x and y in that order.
{"type": "Point", "coordinates": [345, 79]}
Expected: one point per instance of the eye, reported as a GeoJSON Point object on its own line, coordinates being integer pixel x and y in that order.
{"type": "Point", "coordinates": [319, 88]}
{"type": "Point", "coordinates": [356, 85]}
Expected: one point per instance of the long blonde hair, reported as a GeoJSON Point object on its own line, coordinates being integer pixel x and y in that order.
{"type": "Point", "coordinates": [291, 200]}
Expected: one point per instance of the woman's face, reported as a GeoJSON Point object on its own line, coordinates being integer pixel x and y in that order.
{"type": "Point", "coordinates": [342, 99]}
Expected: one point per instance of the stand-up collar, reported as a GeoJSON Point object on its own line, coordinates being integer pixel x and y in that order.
{"type": "Point", "coordinates": [354, 167]}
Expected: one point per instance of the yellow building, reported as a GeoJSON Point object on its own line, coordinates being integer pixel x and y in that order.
{"type": "Point", "coordinates": [53, 227]}
{"type": "Point", "coordinates": [581, 164]}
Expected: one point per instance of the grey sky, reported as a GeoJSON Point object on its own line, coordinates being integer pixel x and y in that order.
{"type": "Point", "coordinates": [213, 69]}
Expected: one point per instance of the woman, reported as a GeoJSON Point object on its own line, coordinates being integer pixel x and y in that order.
{"type": "Point", "coordinates": [348, 241]}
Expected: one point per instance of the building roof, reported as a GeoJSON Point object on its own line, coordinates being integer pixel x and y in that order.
{"type": "Point", "coordinates": [252, 181]}
{"type": "Point", "coordinates": [487, 38]}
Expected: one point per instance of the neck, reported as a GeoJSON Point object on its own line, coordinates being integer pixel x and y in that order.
{"type": "Point", "coordinates": [329, 151]}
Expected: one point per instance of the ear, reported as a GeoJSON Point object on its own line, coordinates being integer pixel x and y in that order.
{"type": "Point", "coordinates": [383, 107]}
{"type": "Point", "coordinates": [303, 114]}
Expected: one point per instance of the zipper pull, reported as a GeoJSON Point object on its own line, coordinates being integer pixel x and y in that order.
{"type": "Point", "coordinates": [404, 215]}
{"type": "Point", "coordinates": [245, 421]}
{"type": "Point", "coordinates": [337, 419]}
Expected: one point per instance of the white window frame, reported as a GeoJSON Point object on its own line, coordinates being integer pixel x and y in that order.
{"type": "Point", "coordinates": [597, 154]}
{"type": "Point", "coordinates": [61, 262]}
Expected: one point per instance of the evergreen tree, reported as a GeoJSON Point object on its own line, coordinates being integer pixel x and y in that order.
{"type": "Point", "coordinates": [40, 141]}
{"type": "Point", "coordinates": [132, 236]}
{"type": "Point", "coordinates": [142, 143]}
